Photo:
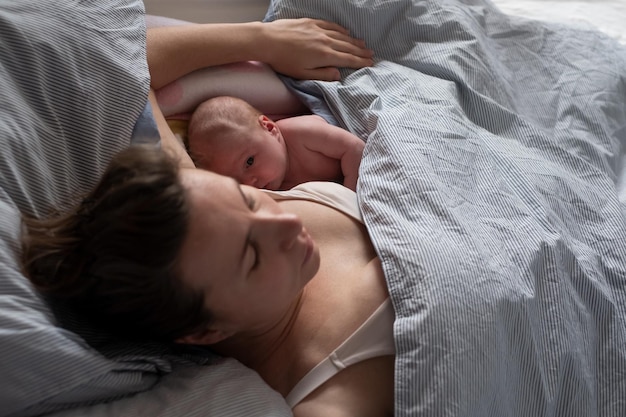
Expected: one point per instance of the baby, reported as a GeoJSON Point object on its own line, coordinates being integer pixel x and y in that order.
{"type": "Point", "coordinates": [228, 136]}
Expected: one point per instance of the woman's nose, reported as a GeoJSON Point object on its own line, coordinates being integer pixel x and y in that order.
{"type": "Point", "coordinates": [283, 229]}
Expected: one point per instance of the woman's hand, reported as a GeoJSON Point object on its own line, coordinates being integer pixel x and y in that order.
{"type": "Point", "coordinates": [300, 48]}
{"type": "Point", "coordinates": [312, 49]}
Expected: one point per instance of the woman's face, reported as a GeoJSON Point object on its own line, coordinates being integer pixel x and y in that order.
{"type": "Point", "coordinates": [249, 257]}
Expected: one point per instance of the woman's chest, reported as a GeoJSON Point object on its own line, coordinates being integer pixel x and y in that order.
{"type": "Point", "coordinates": [338, 236]}
{"type": "Point", "coordinates": [337, 302]}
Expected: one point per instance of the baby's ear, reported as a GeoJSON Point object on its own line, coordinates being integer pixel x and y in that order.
{"type": "Point", "coordinates": [267, 123]}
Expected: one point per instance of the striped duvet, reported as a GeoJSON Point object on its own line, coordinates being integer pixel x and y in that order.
{"type": "Point", "coordinates": [492, 185]}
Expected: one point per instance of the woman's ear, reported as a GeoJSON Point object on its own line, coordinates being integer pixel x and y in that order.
{"type": "Point", "coordinates": [204, 337]}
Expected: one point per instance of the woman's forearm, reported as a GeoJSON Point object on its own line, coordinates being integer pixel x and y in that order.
{"type": "Point", "coordinates": [301, 48]}
{"type": "Point", "coordinates": [169, 142]}
{"type": "Point", "coordinates": [174, 51]}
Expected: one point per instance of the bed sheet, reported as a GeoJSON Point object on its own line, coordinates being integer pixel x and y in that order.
{"type": "Point", "coordinates": [607, 16]}
{"type": "Point", "coordinates": [226, 389]}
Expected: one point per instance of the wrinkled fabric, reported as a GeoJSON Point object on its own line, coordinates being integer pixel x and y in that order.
{"type": "Point", "coordinates": [73, 82]}
{"type": "Point", "coordinates": [490, 185]}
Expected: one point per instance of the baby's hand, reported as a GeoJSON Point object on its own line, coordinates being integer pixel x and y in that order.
{"type": "Point", "coordinates": [351, 162]}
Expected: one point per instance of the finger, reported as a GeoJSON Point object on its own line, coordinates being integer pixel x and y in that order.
{"type": "Point", "coordinates": [344, 37]}
{"type": "Point", "coordinates": [347, 60]}
{"type": "Point", "coordinates": [351, 45]}
{"type": "Point", "coordinates": [347, 48]}
{"type": "Point", "coordinates": [323, 74]}
{"type": "Point", "coordinates": [352, 61]}
{"type": "Point", "coordinates": [324, 24]}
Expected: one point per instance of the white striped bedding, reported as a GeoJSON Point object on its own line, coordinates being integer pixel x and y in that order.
{"type": "Point", "coordinates": [490, 186]}
{"type": "Point", "coordinates": [61, 119]}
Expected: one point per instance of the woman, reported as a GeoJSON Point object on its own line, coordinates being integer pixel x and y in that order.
{"type": "Point", "coordinates": [276, 280]}
{"type": "Point", "coordinates": [162, 252]}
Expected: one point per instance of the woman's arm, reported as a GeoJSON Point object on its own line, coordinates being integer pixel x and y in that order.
{"type": "Point", "coordinates": [301, 48]}
{"type": "Point", "coordinates": [169, 142]}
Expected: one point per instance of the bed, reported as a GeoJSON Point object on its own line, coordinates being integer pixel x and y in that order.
{"type": "Point", "coordinates": [492, 184]}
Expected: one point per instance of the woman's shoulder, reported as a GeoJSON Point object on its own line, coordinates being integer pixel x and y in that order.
{"type": "Point", "coordinates": [323, 192]}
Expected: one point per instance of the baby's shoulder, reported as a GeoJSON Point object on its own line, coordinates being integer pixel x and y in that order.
{"type": "Point", "coordinates": [303, 122]}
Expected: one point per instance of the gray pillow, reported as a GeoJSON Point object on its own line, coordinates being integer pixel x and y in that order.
{"type": "Point", "coordinates": [74, 80]}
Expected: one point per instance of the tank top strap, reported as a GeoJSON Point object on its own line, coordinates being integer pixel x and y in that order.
{"type": "Point", "coordinates": [372, 339]}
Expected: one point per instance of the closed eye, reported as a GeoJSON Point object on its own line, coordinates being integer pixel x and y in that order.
{"type": "Point", "coordinates": [255, 252]}
{"type": "Point", "coordinates": [251, 203]}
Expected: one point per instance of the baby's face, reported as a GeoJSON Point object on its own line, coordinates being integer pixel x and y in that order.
{"type": "Point", "coordinates": [256, 158]}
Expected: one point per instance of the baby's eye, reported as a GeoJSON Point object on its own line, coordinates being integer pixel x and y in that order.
{"type": "Point", "coordinates": [250, 161]}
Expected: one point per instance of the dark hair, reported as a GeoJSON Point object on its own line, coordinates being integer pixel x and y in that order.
{"type": "Point", "coordinates": [115, 257]}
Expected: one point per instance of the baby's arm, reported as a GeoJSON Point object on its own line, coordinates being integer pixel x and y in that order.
{"type": "Point", "coordinates": [316, 135]}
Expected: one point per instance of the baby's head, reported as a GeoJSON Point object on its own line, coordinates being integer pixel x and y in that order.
{"type": "Point", "coordinates": [228, 136]}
